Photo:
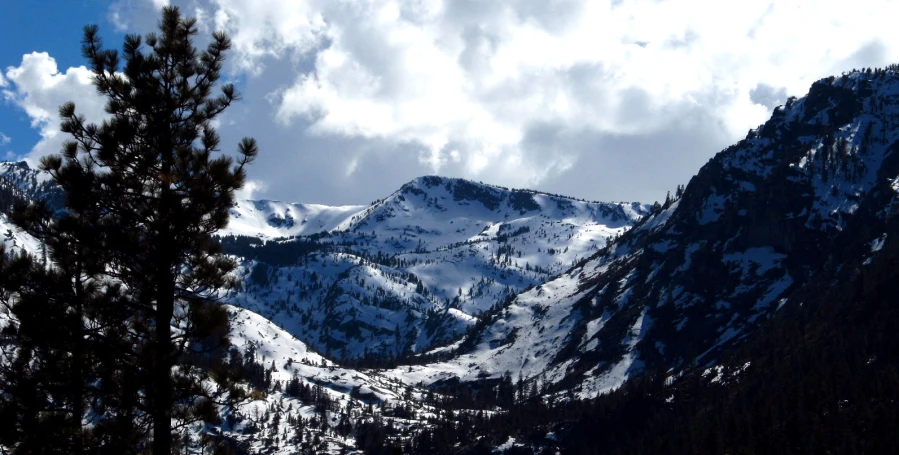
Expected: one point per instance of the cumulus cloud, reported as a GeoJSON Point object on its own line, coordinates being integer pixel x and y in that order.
{"type": "Point", "coordinates": [520, 92]}
{"type": "Point", "coordinates": [601, 99]}
{"type": "Point", "coordinates": [768, 96]}
{"type": "Point", "coordinates": [250, 189]}
{"type": "Point", "coordinates": [39, 88]}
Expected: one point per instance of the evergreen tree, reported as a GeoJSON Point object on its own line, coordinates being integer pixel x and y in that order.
{"type": "Point", "coordinates": [42, 374]}
{"type": "Point", "coordinates": [57, 370]}
{"type": "Point", "coordinates": [135, 270]}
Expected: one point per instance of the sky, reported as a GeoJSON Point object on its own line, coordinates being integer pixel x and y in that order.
{"type": "Point", "coordinates": [618, 100]}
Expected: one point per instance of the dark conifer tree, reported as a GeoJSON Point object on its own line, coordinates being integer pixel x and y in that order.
{"type": "Point", "coordinates": [42, 398]}
{"type": "Point", "coordinates": [135, 270]}
{"type": "Point", "coordinates": [64, 320]}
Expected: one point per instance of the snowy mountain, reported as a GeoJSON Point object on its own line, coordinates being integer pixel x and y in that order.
{"type": "Point", "coordinates": [19, 183]}
{"type": "Point", "coordinates": [413, 271]}
{"type": "Point", "coordinates": [404, 274]}
{"type": "Point", "coordinates": [311, 403]}
{"type": "Point", "coordinates": [274, 219]}
{"type": "Point", "coordinates": [456, 289]}
{"type": "Point", "coordinates": [751, 235]}
{"type": "Point", "coordinates": [299, 401]}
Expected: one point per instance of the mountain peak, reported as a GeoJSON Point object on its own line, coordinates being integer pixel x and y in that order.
{"type": "Point", "coordinates": [412, 270]}
{"type": "Point", "coordinates": [492, 197]}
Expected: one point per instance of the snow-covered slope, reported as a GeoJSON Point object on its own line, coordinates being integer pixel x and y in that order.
{"type": "Point", "coordinates": [810, 196]}
{"type": "Point", "coordinates": [14, 240]}
{"type": "Point", "coordinates": [748, 238]}
{"type": "Point", "coordinates": [405, 274]}
{"type": "Point", "coordinates": [19, 182]}
{"type": "Point", "coordinates": [325, 398]}
{"type": "Point", "coordinates": [413, 271]}
{"type": "Point", "coordinates": [27, 179]}
{"type": "Point", "coordinates": [306, 403]}
{"type": "Point", "coordinates": [432, 212]}
{"type": "Point", "coordinates": [274, 219]}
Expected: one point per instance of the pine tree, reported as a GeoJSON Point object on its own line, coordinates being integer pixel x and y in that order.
{"type": "Point", "coordinates": [144, 195]}
{"type": "Point", "coordinates": [42, 397]}
{"type": "Point", "coordinates": [63, 322]}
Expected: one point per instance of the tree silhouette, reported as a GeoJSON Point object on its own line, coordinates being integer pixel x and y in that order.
{"type": "Point", "coordinates": [133, 259]}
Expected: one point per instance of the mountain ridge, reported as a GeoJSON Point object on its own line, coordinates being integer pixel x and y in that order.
{"type": "Point", "coordinates": [411, 271]}
{"type": "Point", "coordinates": [755, 223]}
{"type": "Point", "coordinates": [427, 258]}
{"type": "Point", "coordinates": [280, 217]}
{"type": "Point", "coordinates": [601, 302]}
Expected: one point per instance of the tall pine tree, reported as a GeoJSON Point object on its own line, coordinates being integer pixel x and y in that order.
{"type": "Point", "coordinates": [135, 271]}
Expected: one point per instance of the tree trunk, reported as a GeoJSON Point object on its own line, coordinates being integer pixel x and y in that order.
{"type": "Point", "coordinates": [164, 287]}
{"type": "Point", "coordinates": [162, 369]}
{"type": "Point", "coordinates": [78, 353]}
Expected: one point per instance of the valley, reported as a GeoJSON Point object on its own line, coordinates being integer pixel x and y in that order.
{"type": "Point", "coordinates": [413, 322]}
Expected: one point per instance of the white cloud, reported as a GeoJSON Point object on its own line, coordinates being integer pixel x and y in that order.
{"type": "Point", "coordinates": [350, 98]}
{"type": "Point", "coordinates": [39, 88]}
{"type": "Point", "coordinates": [479, 75]}
{"type": "Point", "coordinates": [272, 28]}
{"type": "Point", "coordinates": [4, 139]}
{"type": "Point", "coordinates": [250, 190]}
